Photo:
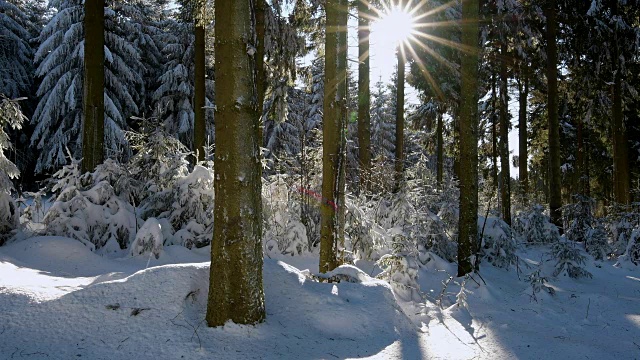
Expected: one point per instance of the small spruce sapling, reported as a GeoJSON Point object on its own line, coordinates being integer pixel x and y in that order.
{"type": "Point", "coordinates": [400, 268]}
{"type": "Point", "coordinates": [570, 260]}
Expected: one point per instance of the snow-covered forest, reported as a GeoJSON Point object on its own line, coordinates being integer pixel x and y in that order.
{"type": "Point", "coordinates": [231, 179]}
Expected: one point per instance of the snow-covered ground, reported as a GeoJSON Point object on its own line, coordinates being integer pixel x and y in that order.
{"type": "Point", "coordinates": [58, 300]}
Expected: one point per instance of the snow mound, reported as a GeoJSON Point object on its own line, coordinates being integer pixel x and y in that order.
{"type": "Point", "coordinates": [161, 310]}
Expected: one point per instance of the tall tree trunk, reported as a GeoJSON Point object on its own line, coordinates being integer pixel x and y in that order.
{"type": "Point", "coordinates": [93, 104]}
{"type": "Point", "coordinates": [440, 148]}
{"type": "Point", "coordinates": [468, 224]}
{"type": "Point", "coordinates": [523, 157]}
{"type": "Point", "coordinates": [235, 291]}
{"type": "Point", "coordinates": [494, 138]}
{"type": "Point", "coordinates": [199, 122]}
{"type": "Point", "coordinates": [621, 170]}
{"type": "Point", "coordinates": [333, 140]}
{"type": "Point", "coordinates": [261, 79]}
{"type": "Point", "coordinates": [399, 165]}
{"type": "Point", "coordinates": [505, 166]}
{"type": "Point", "coordinates": [555, 184]}
{"type": "Point", "coordinates": [364, 96]}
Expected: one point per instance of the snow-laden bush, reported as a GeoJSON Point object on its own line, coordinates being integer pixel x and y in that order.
{"type": "Point", "coordinates": [632, 252]}
{"type": "Point", "coordinates": [597, 242]}
{"type": "Point", "coordinates": [570, 260]}
{"type": "Point", "coordinates": [149, 239]}
{"type": "Point", "coordinates": [88, 208]}
{"type": "Point", "coordinates": [367, 239]}
{"type": "Point", "coordinates": [623, 221]}
{"type": "Point", "coordinates": [160, 160]}
{"type": "Point", "coordinates": [400, 268]}
{"type": "Point", "coordinates": [578, 218]}
{"type": "Point", "coordinates": [284, 231]}
{"type": "Point", "coordinates": [10, 116]}
{"type": "Point", "coordinates": [498, 243]}
{"type": "Point", "coordinates": [535, 227]}
{"type": "Point", "coordinates": [538, 283]}
{"type": "Point", "coordinates": [192, 210]}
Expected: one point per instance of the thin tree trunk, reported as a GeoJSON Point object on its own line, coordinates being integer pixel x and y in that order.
{"type": "Point", "coordinates": [364, 96]}
{"type": "Point", "coordinates": [332, 135]}
{"type": "Point", "coordinates": [555, 184]}
{"type": "Point", "coordinates": [236, 291]}
{"type": "Point", "coordinates": [93, 104]}
{"type": "Point", "coordinates": [494, 138]}
{"type": "Point", "coordinates": [399, 165]}
{"type": "Point", "coordinates": [523, 163]}
{"type": "Point", "coordinates": [440, 148]}
{"type": "Point", "coordinates": [199, 122]}
{"type": "Point", "coordinates": [468, 224]}
{"type": "Point", "coordinates": [505, 166]}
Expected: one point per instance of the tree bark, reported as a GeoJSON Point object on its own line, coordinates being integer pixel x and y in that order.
{"type": "Point", "coordinates": [494, 138]}
{"type": "Point", "coordinates": [621, 170]}
{"type": "Point", "coordinates": [399, 164]}
{"type": "Point", "coordinates": [523, 157]}
{"type": "Point", "coordinates": [199, 122]}
{"type": "Point", "coordinates": [236, 291]}
{"type": "Point", "coordinates": [93, 97]}
{"type": "Point", "coordinates": [364, 96]}
{"type": "Point", "coordinates": [468, 224]}
{"type": "Point", "coordinates": [505, 166]}
{"type": "Point", "coordinates": [333, 141]}
{"type": "Point", "coordinates": [261, 79]}
{"type": "Point", "coordinates": [440, 148]}
{"type": "Point", "coordinates": [555, 184]}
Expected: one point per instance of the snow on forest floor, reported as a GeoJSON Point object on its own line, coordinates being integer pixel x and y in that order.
{"type": "Point", "coordinates": [58, 300]}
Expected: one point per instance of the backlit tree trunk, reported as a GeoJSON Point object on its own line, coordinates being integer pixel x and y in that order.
{"type": "Point", "coordinates": [468, 175]}
{"type": "Point", "coordinates": [555, 184]}
{"type": "Point", "coordinates": [399, 165]}
{"type": "Point", "coordinates": [505, 166]}
{"type": "Point", "coordinates": [364, 96]}
{"type": "Point", "coordinates": [523, 163]}
{"type": "Point", "coordinates": [333, 139]}
{"type": "Point", "coordinates": [235, 291]}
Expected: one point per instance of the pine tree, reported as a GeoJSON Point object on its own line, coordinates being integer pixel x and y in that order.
{"type": "Point", "coordinates": [235, 291]}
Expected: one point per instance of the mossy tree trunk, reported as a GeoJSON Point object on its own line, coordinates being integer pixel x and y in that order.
{"type": "Point", "coordinates": [236, 291]}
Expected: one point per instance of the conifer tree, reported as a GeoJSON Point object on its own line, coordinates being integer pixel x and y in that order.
{"type": "Point", "coordinates": [333, 142]}
{"type": "Point", "coordinates": [468, 224]}
{"type": "Point", "coordinates": [235, 291]}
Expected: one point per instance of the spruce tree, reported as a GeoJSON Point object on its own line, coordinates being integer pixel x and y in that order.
{"type": "Point", "coordinates": [235, 291]}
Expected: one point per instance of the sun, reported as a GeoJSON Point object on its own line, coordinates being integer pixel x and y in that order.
{"type": "Point", "coordinates": [396, 25]}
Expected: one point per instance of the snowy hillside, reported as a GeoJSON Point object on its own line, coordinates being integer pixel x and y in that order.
{"type": "Point", "coordinates": [61, 301]}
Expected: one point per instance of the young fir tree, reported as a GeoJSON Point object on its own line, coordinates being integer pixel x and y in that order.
{"type": "Point", "coordinates": [235, 291]}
